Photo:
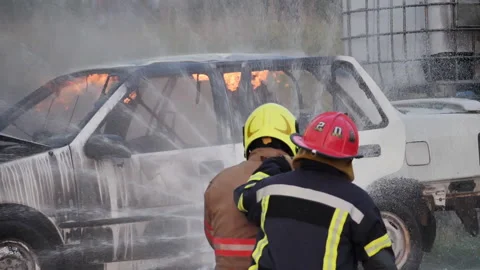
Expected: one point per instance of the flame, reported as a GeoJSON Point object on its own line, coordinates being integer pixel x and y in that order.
{"type": "Point", "coordinates": [258, 77]}
{"type": "Point", "coordinates": [132, 96]}
{"type": "Point", "coordinates": [67, 92]}
{"type": "Point", "coordinates": [201, 77]}
{"type": "Point", "coordinates": [232, 80]}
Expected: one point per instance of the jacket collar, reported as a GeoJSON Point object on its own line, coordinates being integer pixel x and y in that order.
{"type": "Point", "coordinates": [310, 165]}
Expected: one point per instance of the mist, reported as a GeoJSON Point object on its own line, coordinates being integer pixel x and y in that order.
{"type": "Point", "coordinates": [43, 39]}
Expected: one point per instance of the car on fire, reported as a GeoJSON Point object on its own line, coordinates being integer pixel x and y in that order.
{"type": "Point", "coordinates": [108, 165]}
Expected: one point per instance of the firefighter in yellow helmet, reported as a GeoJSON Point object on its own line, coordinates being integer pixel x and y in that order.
{"type": "Point", "coordinates": [266, 133]}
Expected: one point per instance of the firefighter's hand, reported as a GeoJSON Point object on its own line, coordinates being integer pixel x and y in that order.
{"type": "Point", "coordinates": [278, 164]}
{"type": "Point", "coordinates": [289, 160]}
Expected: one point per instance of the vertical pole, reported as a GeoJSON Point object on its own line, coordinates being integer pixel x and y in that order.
{"type": "Point", "coordinates": [378, 44]}
{"type": "Point", "coordinates": [367, 36]}
{"type": "Point", "coordinates": [392, 48]}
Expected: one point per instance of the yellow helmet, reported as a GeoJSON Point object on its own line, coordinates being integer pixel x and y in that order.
{"type": "Point", "coordinates": [270, 120]}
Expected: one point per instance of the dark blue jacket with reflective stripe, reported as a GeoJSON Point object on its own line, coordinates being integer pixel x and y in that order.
{"type": "Point", "coordinates": [312, 218]}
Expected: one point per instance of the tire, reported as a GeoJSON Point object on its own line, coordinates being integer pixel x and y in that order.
{"type": "Point", "coordinates": [405, 232]}
{"type": "Point", "coordinates": [24, 247]}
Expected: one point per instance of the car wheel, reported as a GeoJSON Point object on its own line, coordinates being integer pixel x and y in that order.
{"type": "Point", "coordinates": [405, 232]}
{"type": "Point", "coordinates": [24, 248]}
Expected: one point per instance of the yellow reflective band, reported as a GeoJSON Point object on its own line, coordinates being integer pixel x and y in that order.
{"type": "Point", "coordinates": [378, 244]}
{"type": "Point", "coordinates": [333, 239]}
{"type": "Point", "coordinates": [240, 204]}
{"type": "Point", "coordinates": [249, 185]}
{"type": "Point", "coordinates": [257, 253]}
{"type": "Point", "coordinates": [258, 176]}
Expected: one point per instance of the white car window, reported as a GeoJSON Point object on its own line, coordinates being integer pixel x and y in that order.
{"type": "Point", "coordinates": [167, 113]}
{"type": "Point", "coordinates": [368, 114]}
{"type": "Point", "coordinates": [256, 88]}
{"type": "Point", "coordinates": [62, 112]}
{"type": "Point", "coordinates": [282, 87]}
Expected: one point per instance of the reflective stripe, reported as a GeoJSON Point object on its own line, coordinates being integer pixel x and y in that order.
{"type": "Point", "coordinates": [237, 247]}
{"type": "Point", "coordinates": [258, 176]}
{"type": "Point", "coordinates": [255, 178]}
{"type": "Point", "coordinates": [240, 204]}
{"type": "Point", "coordinates": [235, 241]}
{"type": "Point", "coordinates": [233, 247]}
{"type": "Point", "coordinates": [312, 195]}
{"type": "Point", "coordinates": [333, 239]}
{"type": "Point", "coordinates": [250, 185]}
{"type": "Point", "coordinates": [378, 244]}
{"type": "Point", "coordinates": [257, 253]}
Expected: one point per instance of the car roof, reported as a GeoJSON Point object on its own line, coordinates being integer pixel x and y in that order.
{"type": "Point", "coordinates": [197, 58]}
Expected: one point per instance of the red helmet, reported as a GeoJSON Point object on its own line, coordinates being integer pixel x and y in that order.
{"type": "Point", "coordinates": [331, 134]}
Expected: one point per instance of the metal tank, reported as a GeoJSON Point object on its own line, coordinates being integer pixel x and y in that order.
{"type": "Point", "coordinates": [415, 48]}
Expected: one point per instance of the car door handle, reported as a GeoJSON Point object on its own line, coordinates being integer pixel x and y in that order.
{"type": "Point", "coordinates": [211, 166]}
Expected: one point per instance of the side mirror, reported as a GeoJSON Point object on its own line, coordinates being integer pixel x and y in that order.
{"type": "Point", "coordinates": [102, 146]}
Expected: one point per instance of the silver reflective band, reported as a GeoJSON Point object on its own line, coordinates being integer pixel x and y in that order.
{"type": "Point", "coordinates": [234, 247]}
{"type": "Point", "coordinates": [312, 195]}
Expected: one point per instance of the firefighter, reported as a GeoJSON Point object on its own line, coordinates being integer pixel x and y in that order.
{"type": "Point", "coordinates": [314, 217]}
{"type": "Point", "coordinates": [266, 133]}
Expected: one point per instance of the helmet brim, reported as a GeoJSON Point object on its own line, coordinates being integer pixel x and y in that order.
{"type": "Point", "coordinates": [298, 140]}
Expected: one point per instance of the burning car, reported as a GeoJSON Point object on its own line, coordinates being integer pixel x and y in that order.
{"type": "Point", "coordinates": [108, 165]}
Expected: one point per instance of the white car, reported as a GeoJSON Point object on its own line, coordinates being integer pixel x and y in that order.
{"type": "Point", "coordinates": [109, 165]}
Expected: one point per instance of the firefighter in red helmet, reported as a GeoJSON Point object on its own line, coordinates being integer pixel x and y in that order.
{"type": "Point", "coordinates": [314, 217]}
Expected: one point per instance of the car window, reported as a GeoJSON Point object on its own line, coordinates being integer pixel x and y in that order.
{"type": "Point", "coordinates": [315, 97]}
{"type": "Point", "coordinates": [248, 90]}
{"type": "Point", "coordinates": [166, 113]}
{"type": "Point", "coordinates": [63, 111]}
{"type": "Point", "coordinates": [304, 93]}
{"type": "Point", "coordinates": [360, 107]}
{"type": "Point", "coordinates": [297, 90]}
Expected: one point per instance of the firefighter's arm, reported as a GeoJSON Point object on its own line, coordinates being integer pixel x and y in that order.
{"type": "Point", "coordinates": [245, 196]}
{"type": "Point", "coordinates": [374, 246]}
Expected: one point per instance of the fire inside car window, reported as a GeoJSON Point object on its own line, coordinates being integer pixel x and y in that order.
{"type": "Point", "coordinates": [262, 86]}
{"type": "Point", "coordinates": [166, 113]}
{"type": "Point", "coordinates": [62, 112]}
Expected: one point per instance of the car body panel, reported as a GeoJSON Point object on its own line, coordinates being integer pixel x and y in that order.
{"type": "Point", "coordinates": [453, 144]}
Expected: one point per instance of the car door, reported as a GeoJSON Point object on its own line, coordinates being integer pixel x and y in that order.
{"type": "Point", "coordinates": [178, 135]}
{"type": "Point", "coordinates": [381, 130]}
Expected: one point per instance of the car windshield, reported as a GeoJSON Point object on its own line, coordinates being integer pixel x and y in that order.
{"type": "Point", "coordinates": [53, 114]}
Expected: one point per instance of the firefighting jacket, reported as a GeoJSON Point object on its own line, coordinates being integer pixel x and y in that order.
{"type": "Point", "coordinates": [312, 218]}
{"type": "Point", "coordinates": [227, 230]}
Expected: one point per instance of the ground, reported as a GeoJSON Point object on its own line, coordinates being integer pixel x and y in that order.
{"type": "Point", "coordinates": [454, 249]}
